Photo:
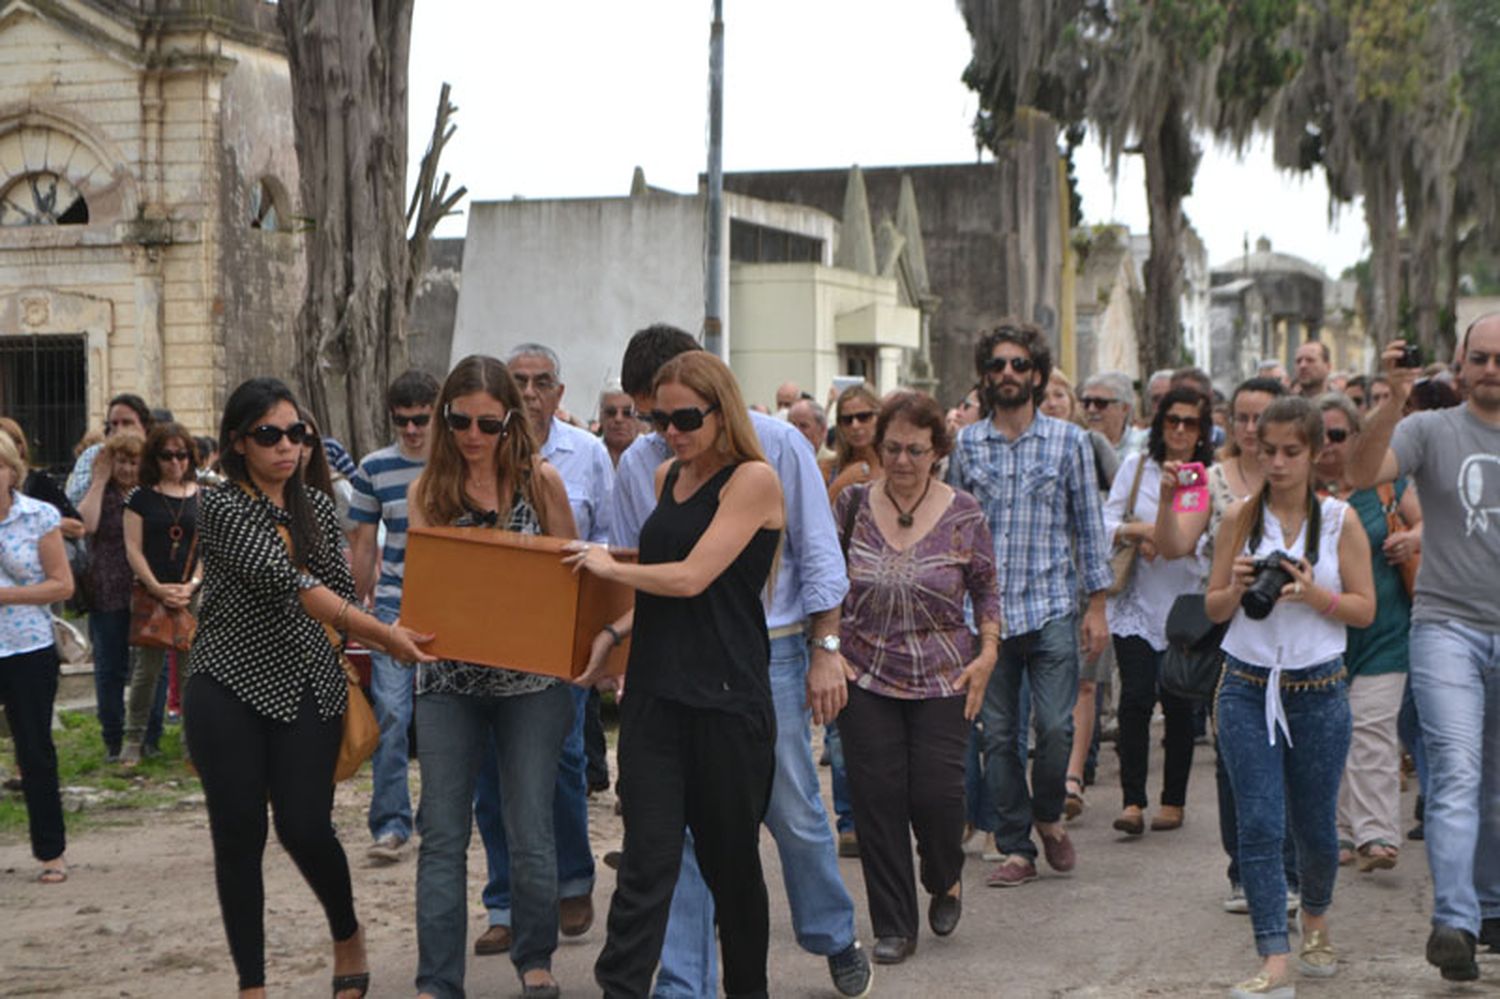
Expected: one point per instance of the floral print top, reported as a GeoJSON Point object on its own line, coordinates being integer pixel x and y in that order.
{"type": "Point", "coordinates": [24, 627]}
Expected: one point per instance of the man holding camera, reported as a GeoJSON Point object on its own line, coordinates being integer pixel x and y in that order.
{"type": "Point", "coordinates": [1453, 456]}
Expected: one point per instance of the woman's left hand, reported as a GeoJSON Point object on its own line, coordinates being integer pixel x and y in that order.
{"type": "Point", "coordinates": [1401, 546]}
{"type": "Point", "coordinates": [1302, 586]}
{"type": "Point", "coordinates": [974, 680]}
{"type": "Point", "coordinates": [593, 675]}
{"type": "Point", "coordinates": [594, 558]}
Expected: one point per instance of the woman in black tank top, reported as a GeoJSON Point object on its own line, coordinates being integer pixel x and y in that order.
{"type": "Point", "coordinates": [697, 733]}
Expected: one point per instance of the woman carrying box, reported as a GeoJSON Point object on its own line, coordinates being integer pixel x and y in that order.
{"type": "Point", "coordinates": [485, 472]}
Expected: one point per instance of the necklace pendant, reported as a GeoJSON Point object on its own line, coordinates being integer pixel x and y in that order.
{"type": "Point", "coordinates": [904, 519]}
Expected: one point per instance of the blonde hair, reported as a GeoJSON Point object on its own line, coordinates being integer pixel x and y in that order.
{"type": "Point", "coordinates": [125, 445]}
{"type": "Point", "coordinates": [10, 428]}
{"type": "Point", "coordinates": [10, 456]}
{"type": "Point", "coordinates": [843, 452]}
{"type": "Point", "coordinates": [711, 378]}
{"type": "Point", "coordinates": [1075, 414]}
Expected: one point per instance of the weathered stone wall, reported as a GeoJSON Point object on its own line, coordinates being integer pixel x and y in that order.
{"type": "Point", "coordinates": [430, 326]}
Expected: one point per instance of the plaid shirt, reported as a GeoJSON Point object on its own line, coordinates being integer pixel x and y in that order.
{"type": "Point", "coordinates": [1041, 498]}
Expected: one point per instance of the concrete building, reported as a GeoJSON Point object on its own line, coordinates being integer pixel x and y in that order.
{"type": "Point", "coordinates": [1107, 303]}
{"type": "Point", "coordinates": [147, 173]}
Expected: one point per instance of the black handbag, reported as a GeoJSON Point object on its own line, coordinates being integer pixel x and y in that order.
{"type": "Point", "coordinates": [82, 600]}
{"type": "Point", "coordinates": [1190, 667]}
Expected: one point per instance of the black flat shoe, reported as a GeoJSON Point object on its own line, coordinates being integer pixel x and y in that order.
{"type": "Point", "coordinates": [343, 983]}
{"type": "Point", "coordinates": [1452, 952]}
{"type": "Point", "coordinates": [943, 912]}
{"type": "Point", "coordinates": [893, 950]}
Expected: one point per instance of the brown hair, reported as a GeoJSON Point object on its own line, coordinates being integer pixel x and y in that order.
{"type": "Point", "coordinates": [439, 492]}
{"type": "Point", "coordinates": [161, 435]}
{"type": "Point", "coordinates": [1308, 421]}
{"type": "Point", "coordinates": [921, 411]}
{"type": "Point", "coordinates": [711, 378]}
{"type": "Point", "coordinates": [843, 452]}
{"type": "Point", "coordinates": [317, 474]}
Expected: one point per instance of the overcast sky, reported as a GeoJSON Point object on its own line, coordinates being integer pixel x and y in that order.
{"type": "Point", "coordinates": [565, 99]}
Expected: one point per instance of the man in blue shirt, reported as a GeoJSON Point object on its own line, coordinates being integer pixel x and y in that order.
{"type": "Point", "coordinates": [379, 496]}
{"type": "Point", "coordinates": [1034, 476]}
{"type": "Point", "coordinates": [808, 686]}
{"type": "Point", "coordinates": [588, 475]}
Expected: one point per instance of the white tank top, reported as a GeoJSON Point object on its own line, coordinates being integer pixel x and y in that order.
{"type": "Point", "coordinates": [1293, 636]}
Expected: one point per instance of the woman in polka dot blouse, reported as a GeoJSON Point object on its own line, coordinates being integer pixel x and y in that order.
{"type": "Point", "coordinates": [264, 706]}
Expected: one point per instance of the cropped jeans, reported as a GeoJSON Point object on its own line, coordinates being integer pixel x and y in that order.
{"type": "Point", "coordinates": [1455, 679]}
{"type": "Point", "coordinates": [1271, 775]}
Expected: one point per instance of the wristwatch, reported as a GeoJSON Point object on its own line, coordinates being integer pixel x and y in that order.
{"type": "Point", "coordinates": [828, 643]}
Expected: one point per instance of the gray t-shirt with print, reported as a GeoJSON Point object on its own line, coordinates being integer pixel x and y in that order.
{"type": "Point", "coordinates": [1454, 458]}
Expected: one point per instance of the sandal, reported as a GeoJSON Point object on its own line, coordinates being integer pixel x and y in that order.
{"type": "Point", "coordinates": [1346, 852]}
{"type": "Point", "coordinates": [1073, 803]}
{"type": "Point", "coordinates": [52, 875]}
{"type": "Point", "coordinates": [343, 983]}
{"type": "Point", "coordinates": [1377, 855]}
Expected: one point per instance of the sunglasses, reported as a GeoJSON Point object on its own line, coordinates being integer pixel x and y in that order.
{"type": "Point", "coordinates": [685, 420]}
{"type": "Point", "coordinates": [1184, 422]}
{"type": "Point", "coordinates": [172, 456]}
{"type": "Point", "coordinates": [1020, 365]}
{"type": "Point", "coordinates": [1336, 435]}
{"type": "Point", "coordinates": [849, 419]}
{"type": "Point", "coordinates": [268, 436]}
{"type": "Point", "coordinates": [488, 425]}
{"type": "Point", "coordinates": [915, 452]}
{"type": "Point", "coordinates": [624, 412]}
{"type": "Point", "coordinates": [1096, 402]}
{"type": "Point", "coordinates": [419, 420]}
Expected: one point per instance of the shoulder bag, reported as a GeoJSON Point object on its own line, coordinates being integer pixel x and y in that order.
{"type": "Point", "coordinates": [1395, 523]}
{"type": "Point", "coordinates": [1190, 666]}
{"type": "Point", "coordinates": [1122, 562]}
{"type": "Point", "coordinates": [153, 624]}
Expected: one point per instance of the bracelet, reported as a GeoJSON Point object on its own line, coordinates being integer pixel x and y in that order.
{"type": "Point", "coordinates": [342, 617]}
{"type": "Point", "coordinates": [619, 638]}
{"type": "Point", "coordinates": [1328, 611]}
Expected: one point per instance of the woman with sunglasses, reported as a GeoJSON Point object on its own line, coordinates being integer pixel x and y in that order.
{"type": "Point", "coordinates": [484, 471]}
{"type": "Point", "coordinates": [161, 527]}
{"type": "Point", "coordinates": [1377, 659]}
{"type": "Point", "coordinates": [265, 702]}
{"type": "Point", "coordinates": [854, 456]}
{"type": "Point", "coordinates": [697, 732]}
{"type": "Point", "coordinates": [1181, 431]}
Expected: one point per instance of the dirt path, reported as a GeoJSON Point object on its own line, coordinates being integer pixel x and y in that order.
{"type": "Point", "coordinates": [139, 917]}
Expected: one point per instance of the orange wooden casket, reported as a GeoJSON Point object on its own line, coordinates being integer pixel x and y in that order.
{"type": "Point", "coordinates": [505, 599]}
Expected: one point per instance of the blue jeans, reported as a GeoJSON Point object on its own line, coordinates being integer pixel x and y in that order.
{"type": "Point", "coordinates": [843, 811]}
{"type": "Point", "coordinates": [453, 732]}
{"type": "Point", "coordinates": [1409, 728]}
{"type": "Point", "coordinates": [979, 806]}
{"type": "Point", "coordinates": [1229, 831]}
{"type": "Point", "coordinates": [570, 823]}
{"type": "Point", "coordinates": [1271, 778]}
{"type": "Point", "coordinates": [822, 910]}
{"type": "Point", "coordinates": [391, 690]}
{"type": "Point", "coordinates": [109, 632]}
{"type": "Point", "coordinates": [1048, 658]}
{"type": "Point", "coordinates": [1455, 678]}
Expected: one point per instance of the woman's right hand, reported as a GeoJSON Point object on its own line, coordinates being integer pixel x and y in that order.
{"type": "Point", "coordinates": [104, 465]}
{"type": "Point", "coordinates": [401, 644]}
{"type": "Point", "coordinates": [1169, 481]}
{"type": "Point", "coordinates": [1241, 576]}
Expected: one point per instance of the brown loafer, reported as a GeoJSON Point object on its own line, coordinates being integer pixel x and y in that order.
{"type": "Point", "coordinates": [575, 915]}
{"type": "Point", "coordinates": [1131, 822]}
{"type": "Point", "coordinates": [1060, 854]}
{"type": "Point", "coordinates": [1170, 817]}
{"type": "Point", "coordinates": [495, 940]}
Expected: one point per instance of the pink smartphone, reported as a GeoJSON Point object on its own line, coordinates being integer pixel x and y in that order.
{"type": "Point", "coordinates": [1192, 488]}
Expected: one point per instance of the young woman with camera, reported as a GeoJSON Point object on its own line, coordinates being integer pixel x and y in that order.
{"type": "Point", "coordinates": [1290, 572]}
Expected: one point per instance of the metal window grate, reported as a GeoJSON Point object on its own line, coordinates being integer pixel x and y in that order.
{"type": "Point", "coordinates": [44, 388]}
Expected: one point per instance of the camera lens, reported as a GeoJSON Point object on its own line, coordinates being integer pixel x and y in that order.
{"type": "Point", "coordinates": [1265, 590]}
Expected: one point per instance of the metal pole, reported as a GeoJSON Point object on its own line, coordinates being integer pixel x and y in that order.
{"type": "Point", "coordinates": [713, 304]}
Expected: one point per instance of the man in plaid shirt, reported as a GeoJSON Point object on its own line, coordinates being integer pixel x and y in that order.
{"type": "Point", "coordinates": [1034, 476]}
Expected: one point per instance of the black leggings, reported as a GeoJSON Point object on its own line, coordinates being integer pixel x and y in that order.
{"type": "Point", "coordinates": [245, 758]}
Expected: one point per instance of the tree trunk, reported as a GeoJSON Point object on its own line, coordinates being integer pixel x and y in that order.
{"type": "Point", "coordinates": [1382, 182]}
{"type": "Point", "coordinates": [1170, 162]}
{"type": "Point", "coordinates": [349, 65]}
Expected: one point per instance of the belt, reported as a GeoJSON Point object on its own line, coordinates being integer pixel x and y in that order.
{"type": "Point", "coordinates": [787, 630]}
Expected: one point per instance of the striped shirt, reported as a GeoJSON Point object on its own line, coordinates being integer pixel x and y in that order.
{"type": "Point", "coordinates": [1040, 496]}
{"type": "Point", "coordinates": [380, 495]}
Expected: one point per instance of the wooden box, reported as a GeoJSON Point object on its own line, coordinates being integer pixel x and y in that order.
{"type": "Point", "coordinates": [504, 599]}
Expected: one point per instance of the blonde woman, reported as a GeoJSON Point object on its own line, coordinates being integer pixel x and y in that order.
{"type": "Point", "coordinates": [854, 456]}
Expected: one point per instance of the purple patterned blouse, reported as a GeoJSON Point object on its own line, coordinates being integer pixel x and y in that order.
{"type": "Point", "coordinates": [903, 629]}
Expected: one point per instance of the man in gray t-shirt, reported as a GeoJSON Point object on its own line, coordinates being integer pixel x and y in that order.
{"type": "Point", "coordinates": [1453, 457]}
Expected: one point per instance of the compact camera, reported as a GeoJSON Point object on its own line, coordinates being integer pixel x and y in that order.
{"type": "Point", "coordinates": [1192, 488]}
{"type": "Point", "coordinates": [1411, 356]}
{"type": "Point", "coordinates": [1265, 589]}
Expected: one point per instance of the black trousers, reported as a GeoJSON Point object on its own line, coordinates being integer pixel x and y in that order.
{"type": "Point", "coordinates": [1140, 671]}
{"type": "Point", "coordinates": [244, 759]}
{"type": "Point", "coordinates": [906, 774]}
{"type": "Point", "coordinates": [594, 745]}
{"type": "Point", "coordinates": [28, 686]}
{"type": "Point", "coordinates": [708, 771]}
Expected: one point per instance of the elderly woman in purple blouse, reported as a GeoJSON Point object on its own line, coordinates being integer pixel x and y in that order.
{"type": "Point", "coordinates": [916, 549]}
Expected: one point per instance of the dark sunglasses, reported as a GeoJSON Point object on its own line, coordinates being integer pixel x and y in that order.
{"type": "Point", "coordinates": [610, 412]}
{"type": "Point", "coordinates": [172, 456]}
{"type": "Point", "coordinates": [849, 419]}
{"type": "Point", "coordinates": [488, 425]}
{"type": "Point", "coordinates": [685, 420]}
{"type": "Point", "coordinates": [1020, 365]}
{"type": "Point", "coordinates": [1096, 402]}
{"type": "Point", "coordinates": [268, 436]}
{"type": "Point", "coordinates": [1336, 435]}
{"type": "Point", "coordinates": [419, 420]}
{"type": "Point", "coordinates": [1185, 422]}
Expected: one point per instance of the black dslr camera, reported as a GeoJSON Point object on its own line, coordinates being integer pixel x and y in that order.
{"type": "Point", "coordinates": [1265, 589]}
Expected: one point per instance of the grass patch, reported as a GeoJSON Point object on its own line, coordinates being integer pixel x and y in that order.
{"type": "Point", "coordinates": [97, 792]}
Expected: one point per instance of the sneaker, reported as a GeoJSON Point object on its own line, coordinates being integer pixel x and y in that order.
{"type": "Point", "coordinates": [851, 971]}
{"type": "Point", "coordinates": [848, 843]}
{"type": "Point", "coordinates": [1452, 951]}
{"type": "Point", "coordinates": [387, 849]}
{"type": "Point", "coordinates": [1014, 870]}
{"type": "Point", "coordinates": [991, 851]}
{"type": "Point", "coordinates": [1293, 901]}
{"type": "Point", "coordinates": [1236, 902]}
{"type": "Point", "coordinates": [1061, 856]}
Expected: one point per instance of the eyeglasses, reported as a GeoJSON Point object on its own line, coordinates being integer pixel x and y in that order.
{"type": "Point", "coordinates": [915, 452]}
{"type": "Point", "coordinates": [1185, 422]}
{"type": "Point", "coordinates": [849, 419]}
{"type": "Point", "coordinates": [1020, 365]}
{"type": "Point", "coordinates": [488, 425]}
{"type": "Point", "coordinates": [419, 420]}
{"type": "Point", "coordinates": [622, 412]}
{"type": "Point", "coordinates": [267, 435]}
{"type": "Point", "coordinates": [542, 383]}
{"type": "Point", "coordinates": [1336, 435]}
{"type": "Point", "coordinates": [1098, 402]}
{"type": "Point", "coordinates": [686, 420]}
{"type": "Point", "coordinates": [172, 456]}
